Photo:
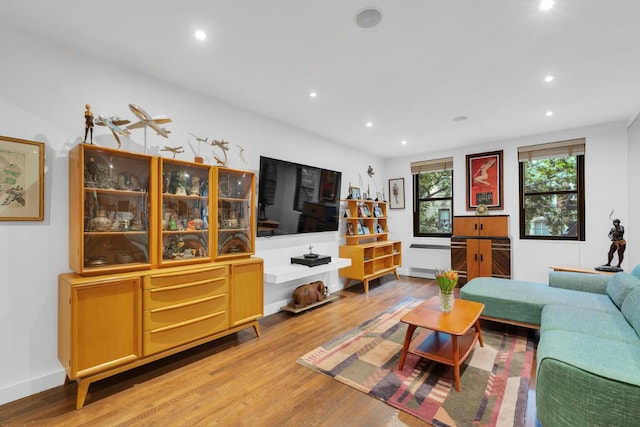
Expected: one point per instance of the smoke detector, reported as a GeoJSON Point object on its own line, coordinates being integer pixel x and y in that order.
{"type": "Point", "coordinates": [368, 18]}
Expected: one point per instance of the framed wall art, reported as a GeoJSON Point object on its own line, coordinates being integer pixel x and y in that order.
{"type": "Point", "coordinates": [21, 180]}
{"type": "Point", "coordinates": [484, 180]}
{"type": "Point", "coordinates": [396, 193]}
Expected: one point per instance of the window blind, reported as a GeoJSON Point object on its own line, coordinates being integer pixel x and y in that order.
{"type": "Point", "coordinates": [432, 165]}
{"type": "Point", "coordinates": [572, 147]}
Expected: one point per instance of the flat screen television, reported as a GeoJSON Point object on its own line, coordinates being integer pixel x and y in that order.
{"type": "Point", "coordinates": [295, 198]}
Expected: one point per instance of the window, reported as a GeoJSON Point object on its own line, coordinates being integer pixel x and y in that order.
{"type": "Point", "coordinates": [432, 197]}
{"type": "Point", "coordinates": [552, 191]}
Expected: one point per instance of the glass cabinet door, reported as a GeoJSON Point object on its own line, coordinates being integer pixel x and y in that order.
{"type": "Point", "coordinates": [110, 210]}
{"type": "Point", "coordinates": [184, 212]}
{"type": "Point", "coordinates": [235, 236]}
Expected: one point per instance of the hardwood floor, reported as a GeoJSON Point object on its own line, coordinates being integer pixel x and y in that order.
{"type": "Point", "coordinates": [241, 380]}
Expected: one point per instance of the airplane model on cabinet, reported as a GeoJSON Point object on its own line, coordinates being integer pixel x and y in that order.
{"type": "Point", "coordinates": [147, 120]}
{"type": "Point", "coordinates": [113, 123]}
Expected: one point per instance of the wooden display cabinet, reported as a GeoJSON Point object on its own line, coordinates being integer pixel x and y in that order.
{"type": "Point", "coordinates": [184, 213]}
{"type": "Point", "coordinates": [111, 219]}
{"type": "Point", "coordinates": [234, 213]}
{"type": "Point", "coordinates": [481, 247]}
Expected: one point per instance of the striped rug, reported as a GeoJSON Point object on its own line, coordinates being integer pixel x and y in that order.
{"type": "Point", "coordinates": [494, 379]}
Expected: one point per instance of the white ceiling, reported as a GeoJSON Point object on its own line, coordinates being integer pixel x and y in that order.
{"type": "Point", "coordinates": [427, 62]}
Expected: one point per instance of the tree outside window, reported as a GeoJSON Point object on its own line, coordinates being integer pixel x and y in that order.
{"type": "Point", "coordinates": [552, 191]}
{"type": "Point", "coordinates": [433, 198]}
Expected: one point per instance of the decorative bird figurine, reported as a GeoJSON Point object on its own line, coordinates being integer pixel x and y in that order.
{"type": "Point", "coordinates": [370, 171]}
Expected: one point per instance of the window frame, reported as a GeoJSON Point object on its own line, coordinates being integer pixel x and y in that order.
{"type": "Point", "coordinates": [417, 201]}
{"type": "Point", "coordinates": [579, 192]}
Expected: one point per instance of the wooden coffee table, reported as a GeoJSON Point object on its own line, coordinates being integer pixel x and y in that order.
{"type": "Point", "coordinates": [452, 338]}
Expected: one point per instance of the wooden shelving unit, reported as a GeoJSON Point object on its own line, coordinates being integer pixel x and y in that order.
{"type": "Point", "coordinates": [366, 236]}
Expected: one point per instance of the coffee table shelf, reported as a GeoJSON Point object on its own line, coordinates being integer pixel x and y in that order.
{"type": "Point", "coordinates": [453, 335]}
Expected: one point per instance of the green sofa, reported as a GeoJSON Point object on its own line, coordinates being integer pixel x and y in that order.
{"type": "Point", "coordinates": [588, 355]}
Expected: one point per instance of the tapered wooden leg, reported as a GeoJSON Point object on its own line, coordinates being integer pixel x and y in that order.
{"type": "Point", "coordinates": [83, 388]}
{"type": "Point", "coordinates": [477, 326]}
{"type": "Point", "coordinates": [346, 283]}
{"type": "Point", "coordinates": [456, 361]}
{"type": "Point", "coordinates": [256, 327]}
{"type": "Point", "coordinates": [365, 282]}
{"type": "Point", "coordinates": [405, 347]}
{"type": "Point", "coordinates": [395, 273]}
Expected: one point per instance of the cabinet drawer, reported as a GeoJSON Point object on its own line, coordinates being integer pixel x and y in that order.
{"type": "Point", "coordinates": [178, 313]}
{"type": "Point", "coordinates": [184, 292]}
{"type": "Point", "coordinates": [168, 337]}
{"type": "Point", "coordinates": [180, 277]}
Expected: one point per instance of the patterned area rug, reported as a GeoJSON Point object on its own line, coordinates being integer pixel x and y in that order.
{"type": "Point", "coordinates": [494, 379]}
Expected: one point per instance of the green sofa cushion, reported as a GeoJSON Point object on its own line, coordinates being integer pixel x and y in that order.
{"type": "Point", "coordinates": [523, 301]}
{"type": "Point", "coordinates": [631, 310]}
{"type": "Point", "coordinates": [611, 325]}
{"type": "Point", "coordinates": [567, 396]}
{"type": "Point", "coordinates": [607, 358]}
{"type": "Point", "coordinates": [620, 285]}
{"type": "Point", "coordinates": [595, 283]}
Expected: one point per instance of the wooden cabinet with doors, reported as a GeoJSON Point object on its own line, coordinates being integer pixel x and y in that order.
{"type": "Point", "coordinates": [481, 247]}
{"type": "Point", "coordinates": [155, 273]}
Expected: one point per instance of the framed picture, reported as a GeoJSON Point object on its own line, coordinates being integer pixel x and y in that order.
{"type": "Point", "coordinates": [347, 212]}
{"type": "Point", "coordinates": [377, 212]}
{"type": "Point", "coordinates": [21, 180]}
{"type": "Point", "coordinates": [396, 193]}
{"type": "Point", "coordinates": [350, 230]}
{"type": "Point", "coordinates": [484, 180]}
{"type": "Point", "coordinates": [354, 192]}
{"type": "Point", "coordinates": [360, 231]}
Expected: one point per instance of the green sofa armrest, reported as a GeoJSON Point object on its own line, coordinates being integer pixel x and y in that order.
{"type": "Point", "coordinates": [585, 282]}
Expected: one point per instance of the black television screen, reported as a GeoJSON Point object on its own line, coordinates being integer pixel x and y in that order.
{"type": "Point", "coordinates": [295, 198]}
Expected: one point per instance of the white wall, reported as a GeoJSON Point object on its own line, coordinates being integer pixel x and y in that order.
{"type": "Point", "coordinates": [632, 229]}
{"type": "Point", "coordinates": [42, 94]}
{"type": "Point", "coordinates": [606, 188]}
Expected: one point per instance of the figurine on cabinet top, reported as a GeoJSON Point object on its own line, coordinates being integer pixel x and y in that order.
{"type": "Point", "coordinates": [88, 123]}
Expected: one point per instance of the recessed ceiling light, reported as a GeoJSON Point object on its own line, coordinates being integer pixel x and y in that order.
{"type": "Point", "coordinates": [200, 35]}
{"type": "Point", "coordinates": [549, 78]}
{"type": "Point", "coordinates": [460, 118]}
{"type": "Point", "coordinates": [369, 124]}
{"type": "Point", "coordinates": [403, 142]}
{"type": "Point", "coordinates": [549, 113]}
{"type": "Point", "coordinates": [546, 4]}
{"type": "Point", "coordinates": [313, 94]}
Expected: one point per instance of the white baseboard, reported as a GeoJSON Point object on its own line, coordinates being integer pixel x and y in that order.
{"type": "Point", "coordinates": [32, 386]}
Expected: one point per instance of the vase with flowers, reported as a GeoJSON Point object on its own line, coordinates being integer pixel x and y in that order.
{"type": "Point", "coordinates": [447, 281]}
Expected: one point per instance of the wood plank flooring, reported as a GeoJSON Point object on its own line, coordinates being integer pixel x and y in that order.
{"type": "Point", "coordinates": [241, 380]}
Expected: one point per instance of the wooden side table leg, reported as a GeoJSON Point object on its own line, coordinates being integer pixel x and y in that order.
{"type": "Point", "coordinates": [477, 327]}
{"type": "Point", "coordinates": [456, 361]}
{"type": "Point", "coordinates": [405, 347]}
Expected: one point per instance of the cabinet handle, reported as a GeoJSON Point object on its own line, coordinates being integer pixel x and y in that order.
{"type": "Point", "coordinates": [476, 257]}
{"type": "Point", "coordinates": [475, 226]}
{"type": "Point", "coordinates": [481, 258]}
{"type": "Point", "coordinates": [481, 226]}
